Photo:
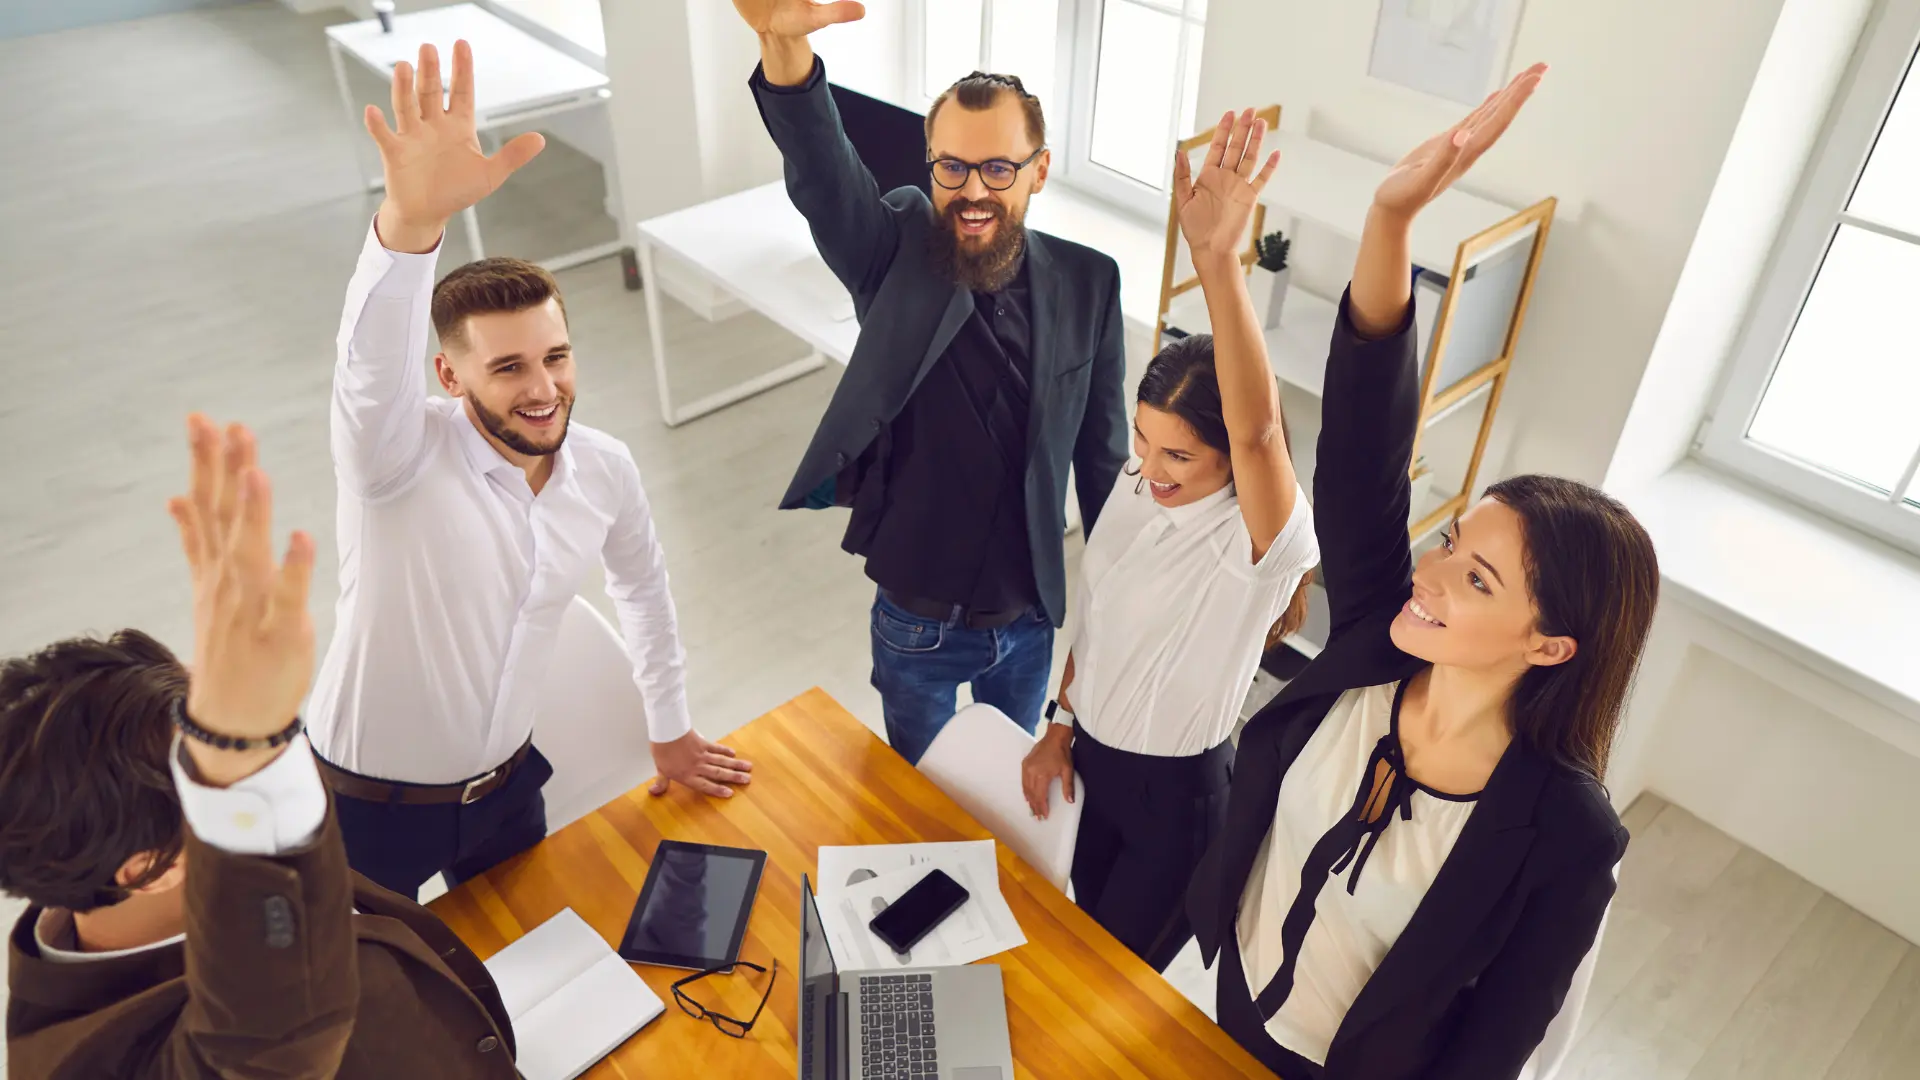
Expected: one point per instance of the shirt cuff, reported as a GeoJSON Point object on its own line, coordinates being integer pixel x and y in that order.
{"type": "Point", "coordinates": [810, 82]}
{"type": "Point", "coordinates": [278, 810]}
{"type": "Point", "coordinates": [397, 273]}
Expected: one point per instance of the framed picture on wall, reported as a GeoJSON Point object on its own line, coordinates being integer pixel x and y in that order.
{"type": "Point", "coordinates": [1454, 49]}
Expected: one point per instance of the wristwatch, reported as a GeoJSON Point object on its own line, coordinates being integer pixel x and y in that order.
{"type": "Point", "coordinates": [1060, 714]}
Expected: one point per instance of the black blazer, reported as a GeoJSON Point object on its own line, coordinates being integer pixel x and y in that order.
{"type": "Point", "coordinates": [1468, 990]}
{"type": "Point", "coordinates": [909, 314]}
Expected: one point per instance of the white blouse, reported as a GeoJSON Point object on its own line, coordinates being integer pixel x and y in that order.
{"type": "Point", "coordinates": [1367, 898]}
{"type": "Point", "coordinates": [1173, 615]}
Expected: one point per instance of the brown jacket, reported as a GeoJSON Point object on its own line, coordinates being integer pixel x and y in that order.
{"type": "Point", "coordinates": [278, 977]}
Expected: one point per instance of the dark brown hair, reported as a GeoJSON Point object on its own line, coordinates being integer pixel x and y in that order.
{"type": "Point", "coordinates": [488, 286]}
{"type": "Point", "coordinates": [85, 728]}
{"type": "Point", "coordinates": [1594, 578]}
{"type": "Point", "coordinates": [1181, 380]}
{"type": "Point", "coordinates": [979, 91]}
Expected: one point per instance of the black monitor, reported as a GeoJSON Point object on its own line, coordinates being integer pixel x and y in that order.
{"type": "Point", "coordinates": [891, 140]}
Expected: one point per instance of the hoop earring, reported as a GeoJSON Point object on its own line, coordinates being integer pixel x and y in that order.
{"type": "Point", "coordinates": [1139, 485]}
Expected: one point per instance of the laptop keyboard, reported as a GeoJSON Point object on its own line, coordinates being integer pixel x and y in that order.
{"type": "Point", "coordinates": [897, 1039]}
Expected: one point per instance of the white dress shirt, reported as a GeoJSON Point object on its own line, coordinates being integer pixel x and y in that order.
{"type": "Point", "coordinates": [1350, 934]}
{"type": "Point", "coordinates": [454, 575]}
{"type": "Point", "coordinates": [279, 809]}
{"type": "Point", "coordinates": [1173, 616]}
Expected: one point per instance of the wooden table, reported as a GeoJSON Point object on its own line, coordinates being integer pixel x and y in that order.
{"type": "Point", "coordinates": [1078, 1003]}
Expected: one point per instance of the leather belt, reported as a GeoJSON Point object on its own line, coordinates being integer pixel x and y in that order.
{"type": "Point", "coordinates": [464, 792]}
{"type": "Point", "coordinates": [970, 618]}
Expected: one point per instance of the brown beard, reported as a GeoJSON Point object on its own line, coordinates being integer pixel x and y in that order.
{"type": "Point", "coordinates": [989, 269]}
{"type": "Point", "coordinates": [496, 426]}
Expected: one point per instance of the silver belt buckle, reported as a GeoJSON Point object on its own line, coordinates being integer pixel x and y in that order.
{"type": "Point", "coordinates": [467, 796]}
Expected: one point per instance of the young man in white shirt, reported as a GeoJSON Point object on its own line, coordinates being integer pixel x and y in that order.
{"type": "Point", "coordinates": [193, 915]}
{"type": "Point", "coordinates": [466, 523]}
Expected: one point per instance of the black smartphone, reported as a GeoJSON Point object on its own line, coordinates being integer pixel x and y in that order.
{"type": "Point", "coordinates": [919, 910]}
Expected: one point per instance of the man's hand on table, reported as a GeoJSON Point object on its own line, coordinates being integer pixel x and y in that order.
{"type": "Point", "coordinates": [701, 764]}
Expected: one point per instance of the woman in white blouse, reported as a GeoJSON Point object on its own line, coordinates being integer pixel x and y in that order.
{"type": "Point", "coordinates": [1202, 548]}
{"type": "Point", "coordinates": [1418, 851]}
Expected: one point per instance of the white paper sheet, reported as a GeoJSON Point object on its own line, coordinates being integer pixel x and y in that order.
{"type": "Point", "coordinates": [856, 883]}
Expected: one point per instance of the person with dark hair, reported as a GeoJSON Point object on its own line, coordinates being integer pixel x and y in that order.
{"type": "Point", "coordinates": [1419, 852]}
{"type": "Point", "coordinates": [1201, 554]}
{"type": "Point", "coordinates": [467, 523]}
{"type": "Point", "coordinates": [191, 914]}
{"type": "Point", "coordinates": [991, 358]}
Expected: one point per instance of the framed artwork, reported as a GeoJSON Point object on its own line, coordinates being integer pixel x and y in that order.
{"type": "Point", "coordinates": [1453, 49]}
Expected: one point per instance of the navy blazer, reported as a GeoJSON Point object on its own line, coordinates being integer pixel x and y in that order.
{"type": "Point", "coordinates": [909, 314]}
{"type": "Point", "coordinates": [1468, 990]}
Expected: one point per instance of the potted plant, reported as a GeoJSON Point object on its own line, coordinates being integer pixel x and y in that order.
{"type": "Point", "coordinates": [1267, 282]}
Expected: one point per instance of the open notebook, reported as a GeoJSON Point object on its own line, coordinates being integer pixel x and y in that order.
{"type": "Point", "coordinates": [573, 1001]}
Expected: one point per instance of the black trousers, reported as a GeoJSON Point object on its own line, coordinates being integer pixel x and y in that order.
{"type": "Point", "coordinates": [400, 845]}
{"type": "Point", "coordinates": [1144, 823]}
{"type": "Point", "coordinates": [1240, 1019]}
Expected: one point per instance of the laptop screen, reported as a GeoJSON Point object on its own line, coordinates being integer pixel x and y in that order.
{"type": "Point", "coordinates": [819, 993]}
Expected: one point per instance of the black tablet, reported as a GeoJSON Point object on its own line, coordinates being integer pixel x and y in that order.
{"type": "Point", "coordinates": [693, 910]}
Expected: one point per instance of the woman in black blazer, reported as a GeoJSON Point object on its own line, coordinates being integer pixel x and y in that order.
{"type": "Point", "coordinates": [1414, 899]}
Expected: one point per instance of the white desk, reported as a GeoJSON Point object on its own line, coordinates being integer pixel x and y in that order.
{"type": "Point", "coordinates": [756, 246]}
{"type": "Point", "coordinates": [517, 79]}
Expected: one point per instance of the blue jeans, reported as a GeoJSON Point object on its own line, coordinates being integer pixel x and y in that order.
{"type": "Point", "coordinates": [919, 664]}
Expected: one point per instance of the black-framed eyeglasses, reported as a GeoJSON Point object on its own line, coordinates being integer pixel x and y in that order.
{"type": "Point", "coordinates": [726, 1025]}
{"type": "Point", "coordinates": [998, 174]}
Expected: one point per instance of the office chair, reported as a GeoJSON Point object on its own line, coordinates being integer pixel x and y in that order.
{"type": "Point", "coordinates": [976, 760]}
{"type": "Point", "coordinates": [591, 721]}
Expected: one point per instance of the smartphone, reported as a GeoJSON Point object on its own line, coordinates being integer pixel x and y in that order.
{"type": "Point", "coordinates": [919, 910]}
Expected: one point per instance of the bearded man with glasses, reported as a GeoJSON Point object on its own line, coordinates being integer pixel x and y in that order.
{"type": "Point", "coordinates": [991, 358]}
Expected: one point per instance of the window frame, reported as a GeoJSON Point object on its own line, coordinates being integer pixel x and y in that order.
{"type": "Point", "coordinates": [1077, 166]}
{"type": "Point", "coordinates": [1888, 54]}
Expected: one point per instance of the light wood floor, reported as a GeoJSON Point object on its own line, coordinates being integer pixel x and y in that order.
{"type": "Point", "coordinates": [178, 218]}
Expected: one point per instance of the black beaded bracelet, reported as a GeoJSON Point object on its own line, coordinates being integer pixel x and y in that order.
{"type": "Point", "coordinates": [185, 725]}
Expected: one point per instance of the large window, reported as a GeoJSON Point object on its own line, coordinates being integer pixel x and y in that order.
{"type": "Point", "coordinates": [1822, 402]}
{"type": "Point", "coordinates": [1138, 74]}
{"type": "Point", "coordinates": [1119, 79]}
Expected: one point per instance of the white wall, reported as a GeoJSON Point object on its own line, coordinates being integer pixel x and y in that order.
{"type": "Point", "coordinates": [1791, 763]}
{"type": "Point", "coordinates": [1798, 80]}
{"type": "Point", "coordinates": [1633, 122]}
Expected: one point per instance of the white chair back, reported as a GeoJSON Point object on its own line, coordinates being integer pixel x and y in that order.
{"type": "Point", "coordinates": [976, 760]}
{"type": "Point", "coordinates": [592, 721]}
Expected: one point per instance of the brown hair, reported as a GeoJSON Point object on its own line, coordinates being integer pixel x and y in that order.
{"type": "Point", "coordinates": [979, 91]}
{"type": "Point", "coordinates": [1594, 578]}
{"type": "Point", "coordinates": [1182, 380]}
{"type": "Point", "coordinates": [85, 728]}
{"type": "Point", "coordinates": [488, 286]}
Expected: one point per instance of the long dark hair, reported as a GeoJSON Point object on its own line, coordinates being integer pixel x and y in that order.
{"type": "Point", "coordinates": [1594, 577]}
{"type": "Point", "coordinates": [1182, 381]}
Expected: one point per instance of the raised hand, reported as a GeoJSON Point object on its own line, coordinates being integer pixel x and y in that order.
{"type": "Point", "coordinates": [1434, 165]}
{"type": "Point", "coordinates": [1215, 206]}
{"type": "Point", "coordinates": [431, 155]}
{"type": "Point", "coordinates": [253, 634]}
{"type": "Point", "coordinates": [795, 18]}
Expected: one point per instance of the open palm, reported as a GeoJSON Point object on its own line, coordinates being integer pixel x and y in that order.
{"type": "Point", "coordinates": [1215, 206]}
{"type": "Point", "coordinates": [431, 155]}
{"type": "Point", "coordinates": [1434, 165]}
{"type": "Point", "coordinates": [795, 18]}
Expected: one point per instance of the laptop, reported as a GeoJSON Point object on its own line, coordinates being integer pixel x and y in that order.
{"type": "Point", "coordinates": [944, 1023]}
